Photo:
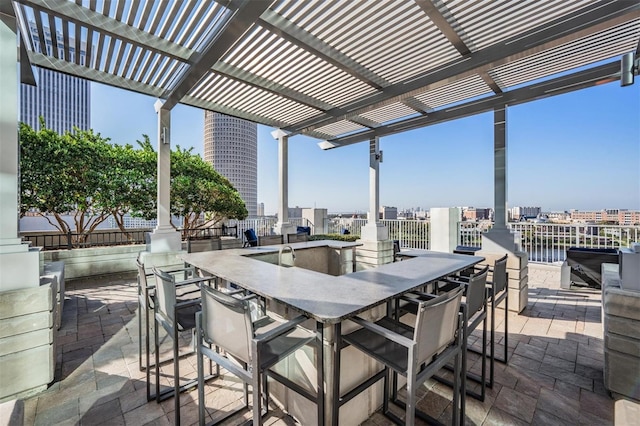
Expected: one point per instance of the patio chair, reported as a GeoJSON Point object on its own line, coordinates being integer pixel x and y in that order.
{"type": "Point", "coordinates": [396, 250]}
{"type": "Point", "coordinates": [227, 335]}
{"type": "Point", "coordinates": [303, 230]}
{"type": "Point", "coordinates": [251, 238]}
{"type": "Point", "coordinates": [174, 315]}
{"type": "Point", "coordinates": [497, 291]}
{"type": "Point", "coordinates": [146, 292]}
{"type": "Point", "coordinates": [475, 309]}
{"type": "Point", "coordinates": [416, 353]}
{"type": "Point", "coordinates": [202, 245]}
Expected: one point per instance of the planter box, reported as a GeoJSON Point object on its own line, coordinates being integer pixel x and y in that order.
{"type": "Point", "coordinates": [95, 261]}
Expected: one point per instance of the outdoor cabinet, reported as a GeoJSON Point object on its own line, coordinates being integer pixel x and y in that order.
{"type": "Point", "coordinates": [586, 264]}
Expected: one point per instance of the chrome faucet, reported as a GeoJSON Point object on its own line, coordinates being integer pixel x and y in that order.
{"type": "Point", "coordinates": [293, 254]}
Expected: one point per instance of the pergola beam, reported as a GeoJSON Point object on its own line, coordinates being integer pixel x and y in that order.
{"type": "Point", "coordinates": [307, 41]}
{"type": "Point", "coordinates": [581, 23]}
{"type": "Point", "coordinates": [444, 26]}
{"type": "Point", "coordinates": [244, 16]}
{"type": "Point", "coordinates": [95, 21]}
{"type": "Point", "coordinates": [579, 80]}
{"type": "Point", "coordinates": [92, 74]}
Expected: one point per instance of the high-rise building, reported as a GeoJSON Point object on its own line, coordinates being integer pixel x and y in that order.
{"type": "Point", "coordinates": [64, 101]}
{"type": "Point", "coordinates": [475, 214]}
{"type": "Point", "coordinates": [231, 146]}
{"type": "Point", "coordinates": [517, 213]}
{"type": "Point", "coordinates": [387, 212]}
{"type": "Point", "coordinates": [260, 209]}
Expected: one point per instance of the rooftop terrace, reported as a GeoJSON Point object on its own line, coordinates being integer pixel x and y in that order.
{"type": "Point", "coordinates": [554, 374]}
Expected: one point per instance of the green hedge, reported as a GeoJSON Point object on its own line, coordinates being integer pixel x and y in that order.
{"type": "Point", "coordinates": [338, 237]}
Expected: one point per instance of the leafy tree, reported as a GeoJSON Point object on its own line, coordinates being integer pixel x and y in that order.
{"type": "Point", "coordinates": [201, 195]}
{"type": "Point", "coordinates": [83, 175]}
{"type": "Point", "coordinates": [130, 186]}
{"type": "Point", "coordinates": [64, 174]}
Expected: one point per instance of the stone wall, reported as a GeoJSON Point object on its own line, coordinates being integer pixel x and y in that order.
{"type": "Point", "coordinates": [27, 339]}
{"type": "Point", "coordinates": [372, 254]}
{"type": "Point", "coordinates": [518, 277]}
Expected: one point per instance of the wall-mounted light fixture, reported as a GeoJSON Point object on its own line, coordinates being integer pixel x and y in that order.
{"type": "Point", "coordinates": [628, 69]}
{"type": "Point", "coordinates": [164, 136]}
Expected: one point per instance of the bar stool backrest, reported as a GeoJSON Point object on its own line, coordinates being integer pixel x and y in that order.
{"type": "Point", "coordinates": [165, 294]}
{"type": "Point", "coordinates": [500, 274]}
{"type": "Point", "coordinates": [436, 324]}
{"type": "Point", "coordinates": [226, 322]}
{"type": "Point", "coordinates": [476, 291]}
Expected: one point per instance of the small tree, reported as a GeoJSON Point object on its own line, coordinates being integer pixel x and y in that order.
{"type": "Point", "coordinates": [201, 195]}
{"type": "Point", "coordinates": [64, 174]}
{"type": "Point", "coordinates": [83, 175]}
{"type": "Point", "coordinates": [131, 182]}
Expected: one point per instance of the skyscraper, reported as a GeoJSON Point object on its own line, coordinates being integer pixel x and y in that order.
{"type": "Point", "coordinates": [231, 146]}
{"type": "Point", "coordinates": [64, 101]}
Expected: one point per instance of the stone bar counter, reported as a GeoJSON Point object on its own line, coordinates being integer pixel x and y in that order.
{"type": "Point", "coordinates": [320, 283]}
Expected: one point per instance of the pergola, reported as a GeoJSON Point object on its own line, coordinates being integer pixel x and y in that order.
{"type": "Point", "coordinates": [339, 71]}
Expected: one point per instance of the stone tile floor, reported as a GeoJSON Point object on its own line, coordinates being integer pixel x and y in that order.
{"type": "Point", "coordinates": [554, 375]}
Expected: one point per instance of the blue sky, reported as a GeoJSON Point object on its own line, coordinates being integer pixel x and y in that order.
{"type": "Point", "coordinates": [575, 151]}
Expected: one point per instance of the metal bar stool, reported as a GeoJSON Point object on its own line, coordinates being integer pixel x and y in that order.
{"type": "Point", "coordinates": [416, 352]}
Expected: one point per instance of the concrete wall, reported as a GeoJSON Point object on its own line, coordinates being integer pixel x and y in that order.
{"type": "Point", "coordinates": [95, 261]}
{"type": "Point", "coordinates": [325, 260]}
{"type": "Point", "coordinates": [318, 218]}
{"type": "Point", "coordinates": [88, 262]}
{"type": "Point", "coordinates": [372, 254]}
{"type": "Point", "coordinates": [443, 229]}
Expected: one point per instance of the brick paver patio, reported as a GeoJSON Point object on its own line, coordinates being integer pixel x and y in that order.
{"type": "Point", "coordinates": [554, 374]}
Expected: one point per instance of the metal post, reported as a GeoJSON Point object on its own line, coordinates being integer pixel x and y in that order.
{"type": "Point", "coordinates": [375, 158]}
{"type": "Point", "coordinates": [283, 227]}
{"type": "Point", "coordinates": [164, 166]}
{"type": "Point", "coordinates": [500, 167]}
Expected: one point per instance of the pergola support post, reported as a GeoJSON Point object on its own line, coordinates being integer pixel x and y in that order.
{"type": "Point", "coordinates": [164, 238]}
{"type": "Point", "coordinates": [500, 240]}
{"type": "Point", "coordinates": [28, 359]}
{"type": "Point", "coordinates": [376, 247]}
{"type": "Point", "coordinates": [499, 237]}
{"type": "Point", "coordinates": [283, 227]}
{"type": "Point", "coordinates": [19, 265]}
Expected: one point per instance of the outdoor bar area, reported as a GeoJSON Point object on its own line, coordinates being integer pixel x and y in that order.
{"type": "Point", "coordinates": [322, 332]}
{"type": "Point", "coordinates": [330, 302]}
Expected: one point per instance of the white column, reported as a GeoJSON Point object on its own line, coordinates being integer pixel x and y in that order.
{"type": "Point", "coordinates": [283, 227]}
{"type": "Point", "coordinates": [19, 266]}
{"type": "Point", "coordinates": [164, 238]}
{"type": "Point", "coordinates": [443, 228]}
{"type": "Point", "coordinates": [374, 230]}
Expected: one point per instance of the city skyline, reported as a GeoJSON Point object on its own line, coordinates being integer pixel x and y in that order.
{"type": "Point", "coordinates": [574, 151]}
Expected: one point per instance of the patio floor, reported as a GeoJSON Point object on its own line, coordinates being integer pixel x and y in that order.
{"type": "Point", "coordinates": [554, 374]}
